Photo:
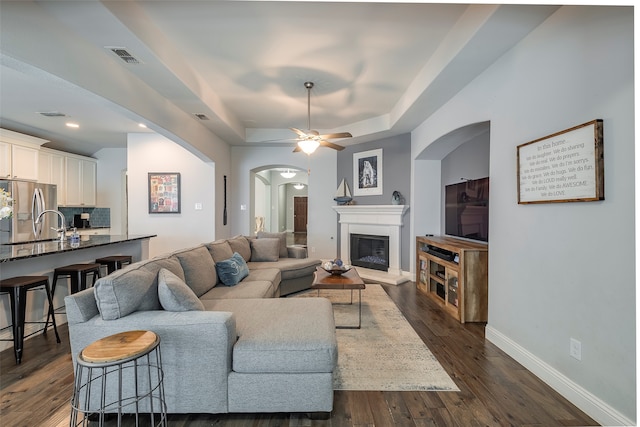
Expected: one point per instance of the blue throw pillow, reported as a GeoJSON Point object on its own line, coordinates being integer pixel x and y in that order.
{"type": "Point", "coordinates": [231, 271]}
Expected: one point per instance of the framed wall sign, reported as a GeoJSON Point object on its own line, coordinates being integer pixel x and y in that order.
{"type": "Point", "coordinates": [367, 173]}
{"type": "Point", "coordinates": [164, 192]}
{"type": "Point", "coordinates": [567, 166]}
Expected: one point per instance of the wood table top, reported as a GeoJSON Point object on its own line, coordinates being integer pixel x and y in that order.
{"type": "Point", "coordinates": [322, 279]}
{"type": "Point", "coordinates": [120, 346]}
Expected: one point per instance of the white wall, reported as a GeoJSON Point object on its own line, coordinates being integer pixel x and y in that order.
{"type": "Point", "coordinates": [154, 153]}
{"type": "Point", "coordinates": [111, 164]}
{"type": "Point", "coordinates": [261, 205]}
{"type": "Point", "coordinates": [560, 270]}
{"type": "Point", "coordinates": [322, 231]}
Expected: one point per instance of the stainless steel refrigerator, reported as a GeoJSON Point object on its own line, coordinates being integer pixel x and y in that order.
{"type": "Point", "coordinates": [29, 199]}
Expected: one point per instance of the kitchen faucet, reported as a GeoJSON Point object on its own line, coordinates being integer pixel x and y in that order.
{"type": "Point", "coordinates": [62, 229]}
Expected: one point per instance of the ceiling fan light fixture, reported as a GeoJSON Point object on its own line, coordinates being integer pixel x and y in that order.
{"type": "Point", "coordinates": [308, 145]}
{"type": "Point", "coordinates": [288, 174]}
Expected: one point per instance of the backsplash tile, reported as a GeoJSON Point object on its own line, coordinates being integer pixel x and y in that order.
{"type": "Point", "coordinates": [99, 217]}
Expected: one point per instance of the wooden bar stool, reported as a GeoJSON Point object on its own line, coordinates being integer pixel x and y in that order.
{"type": "Point", "coordinates": [17, 288]}
{"type": "Point", "coordinates": [120, 374]}
{"type": "Point", "coordinates": [77, 275]}
{"type": "Point", "coordinates": [114, 262]}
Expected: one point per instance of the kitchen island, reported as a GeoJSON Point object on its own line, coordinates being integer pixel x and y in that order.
{"type": "Point", "coordinates": [41, 258]}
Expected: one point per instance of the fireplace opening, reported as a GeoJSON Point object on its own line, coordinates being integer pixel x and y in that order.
{"type": "Point", "coordinates": [370, 251]}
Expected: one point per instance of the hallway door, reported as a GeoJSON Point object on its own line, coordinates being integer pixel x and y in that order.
{"type": "Point", "coordinates": [300, 214]}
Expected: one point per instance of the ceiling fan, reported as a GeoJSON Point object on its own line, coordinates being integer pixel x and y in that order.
{"type": "Point", "coordinates": [311, 139]}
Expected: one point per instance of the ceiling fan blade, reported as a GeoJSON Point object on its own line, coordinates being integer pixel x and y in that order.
{"type": "Point", "coordinates": [336, 135]}
{"type": "Point", "coordinates": [299, 132]}
{"type": "Point", "coordinates": [281, 140]}
{"type": "Point", "coordinates": [331, 145]}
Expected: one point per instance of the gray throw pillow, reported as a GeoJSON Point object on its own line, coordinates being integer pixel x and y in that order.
{"type": "Point", "coordinates": [125, 291]}
{"type": "Point", "coordinates": [232, 270]}
{"type": "Point", "coordinates": [220, 250]}
{"type": "Point", "coordinates": [199, 269]}
{"type": "Point", "coordinates": [241, 245]}
{"type": "Point", "coordinates": [265, 249]}
{"type": "Point", "coordinates": [283, 241]}
{"type": "Point", "coordinates": [175, 295]}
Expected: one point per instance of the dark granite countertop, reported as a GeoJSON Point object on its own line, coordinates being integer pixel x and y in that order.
{"type": "Point", "coordinates": [30, 250]}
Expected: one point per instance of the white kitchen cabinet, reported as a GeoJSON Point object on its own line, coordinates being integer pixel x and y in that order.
{"type": "Point", "coordinates": [80, 184]}
{"type": "Point", "coordinates": [5, 160]}
{"type": "Point", "coordinates": [18, 162]}
{"type": "Point", "coordinates": [19, 155]}
{"type": "Point", "coordinates": [24, 162]}
{"type": "Point", "coordinates": [51, 170]}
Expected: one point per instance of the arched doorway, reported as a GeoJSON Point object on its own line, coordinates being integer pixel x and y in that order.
{"type": "Point", "coordinates": [279, 201]}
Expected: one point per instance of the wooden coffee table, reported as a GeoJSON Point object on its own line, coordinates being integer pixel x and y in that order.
{"type": "Point", "coordinates": [346, 281]}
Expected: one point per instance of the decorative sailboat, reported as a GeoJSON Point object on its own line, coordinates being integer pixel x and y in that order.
{"type": "Point", "coordinates": [343, 194]}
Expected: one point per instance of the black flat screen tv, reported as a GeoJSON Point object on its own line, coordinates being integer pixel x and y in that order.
{"type": "Point", "coordinates": [466, 211]}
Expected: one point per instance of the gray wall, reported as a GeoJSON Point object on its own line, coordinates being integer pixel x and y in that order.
{"type": "Point", "coordinates": [396, 176]}
{"type": "Point", "coordinates": [551, 276]}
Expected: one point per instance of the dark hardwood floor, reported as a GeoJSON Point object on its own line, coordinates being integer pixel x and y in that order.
{"type": "Point", "coordinates": [495, 390]}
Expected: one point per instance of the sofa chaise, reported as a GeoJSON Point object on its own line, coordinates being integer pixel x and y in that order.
{"type": "Point", "coordinates": [225, 348]}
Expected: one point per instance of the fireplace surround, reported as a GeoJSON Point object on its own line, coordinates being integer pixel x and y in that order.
{"type": "Point", "coordinates": [377, 220]}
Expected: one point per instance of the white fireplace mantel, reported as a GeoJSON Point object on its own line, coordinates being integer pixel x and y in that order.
{"type": "Point", "coordinates": [379, 220]}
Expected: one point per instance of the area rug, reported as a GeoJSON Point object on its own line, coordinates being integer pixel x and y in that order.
{"type": "Point", "coordinates": [386, 353]}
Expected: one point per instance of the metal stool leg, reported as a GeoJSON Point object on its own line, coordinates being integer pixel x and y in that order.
{"type": "Point", "coordinates": [50, 313]}
{"type": "Point", "coordinates": [54, 282]}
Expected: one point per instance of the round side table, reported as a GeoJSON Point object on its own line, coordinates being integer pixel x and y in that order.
{"type": "Point", "coordinates": [120, 374]}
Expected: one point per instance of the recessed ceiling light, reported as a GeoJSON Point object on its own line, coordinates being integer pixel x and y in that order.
{"type": "Point", "coordinates": [72, 125]}
{"type": "Point", "coordinates": [142, 125]}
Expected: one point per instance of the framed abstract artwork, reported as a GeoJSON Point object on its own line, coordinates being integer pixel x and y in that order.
{"type": "Point", "coordinates": [164, 192]}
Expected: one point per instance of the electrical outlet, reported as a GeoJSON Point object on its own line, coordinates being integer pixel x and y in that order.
{"type": "Point", "coordinates": [575, 349]}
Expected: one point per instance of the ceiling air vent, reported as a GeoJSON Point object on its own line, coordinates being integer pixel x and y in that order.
{"type": "Point", "coordinates": [52, 114]}
{"type": "Point", "coordinates": [124, 55]}
{"type": "Point", "coordinates": [201, 116]}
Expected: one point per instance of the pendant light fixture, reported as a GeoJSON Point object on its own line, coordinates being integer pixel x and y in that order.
{"type": "Point", "coordinates": [288, 174]}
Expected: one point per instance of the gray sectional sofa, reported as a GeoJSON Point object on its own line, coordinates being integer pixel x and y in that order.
{"type": "Point", "coordinates": [224, 348]}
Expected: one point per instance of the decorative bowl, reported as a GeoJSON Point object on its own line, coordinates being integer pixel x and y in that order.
{"type": "Point", "coordinates": [337, 271]}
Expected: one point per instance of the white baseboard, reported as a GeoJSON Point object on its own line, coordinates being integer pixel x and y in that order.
{"type": "Point", "coordinates": [583, 399]}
